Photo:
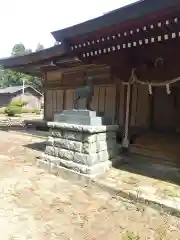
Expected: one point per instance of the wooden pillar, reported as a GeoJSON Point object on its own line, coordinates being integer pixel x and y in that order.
{"type": "Point", "coordinates": [151, 120]}
{"type": "Point", "coordinates": [117, 100]}
{"type": "Point", "coordinates": [125, 142]}
{"type": "Point", "coordinates": [45, 95]}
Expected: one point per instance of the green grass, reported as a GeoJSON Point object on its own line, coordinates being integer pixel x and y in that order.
{"type": "Point", "coordinates": [131, 236]}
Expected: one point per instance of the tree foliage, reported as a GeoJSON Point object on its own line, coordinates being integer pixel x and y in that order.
{"type": "Point", "coordinates": [12, 78]}
{"type": "Point", "coordinates": [20, 50]}
{"type": "Point", "coordinates": [40, 47]}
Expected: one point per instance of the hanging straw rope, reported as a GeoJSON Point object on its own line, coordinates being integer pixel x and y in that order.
{"type": "Point", "coordinates": [134, 79]}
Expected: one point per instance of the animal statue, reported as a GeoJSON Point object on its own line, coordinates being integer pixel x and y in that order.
{"type": "Point", "coordinates": [85, 93]}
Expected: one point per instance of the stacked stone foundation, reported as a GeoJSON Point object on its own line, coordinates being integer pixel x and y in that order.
{"type": "Point", "coordinates": [83, 149]}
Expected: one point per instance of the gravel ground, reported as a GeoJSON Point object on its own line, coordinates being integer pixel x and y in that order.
{"type": "Point", "coordinates": [37, 205]}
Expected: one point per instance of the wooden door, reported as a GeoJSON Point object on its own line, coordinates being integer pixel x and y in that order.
{"type": "Point", "coordinates": [163, 110]}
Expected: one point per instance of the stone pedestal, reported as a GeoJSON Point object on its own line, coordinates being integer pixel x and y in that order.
{"type": "Point", "coordinates": [82, 117]}
{"type": "Point", "coordinates": [86, 148]}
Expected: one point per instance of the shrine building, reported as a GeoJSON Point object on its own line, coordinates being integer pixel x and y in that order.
{"type": "Point", "coordinates": [133, 57]}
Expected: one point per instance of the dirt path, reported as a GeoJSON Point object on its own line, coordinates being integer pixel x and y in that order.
{"type": "Point", "coordinates": [36, 205]}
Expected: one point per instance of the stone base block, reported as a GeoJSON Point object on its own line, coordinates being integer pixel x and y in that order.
{"type": "Point", "coordinates": [95, 169]}
{"type": "Point", "coordinates": [67, 173]}
{"type": "Point", "coordinates": [81, 157]}
{"type": "Point", "coordinates": [82, 117]}
{"type": "Point", "coordinates": [84, 149]}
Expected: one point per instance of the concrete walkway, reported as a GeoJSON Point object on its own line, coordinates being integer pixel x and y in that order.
{"type": "Point", "coordinates": [149, 190]}
{"type": "Point", "coordinates": [40, 206]}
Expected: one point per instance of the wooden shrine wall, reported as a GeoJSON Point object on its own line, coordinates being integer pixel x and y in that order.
{"type": "Point", "coordinates": [159, 112]}
{"type": "Point", "coordinates": [164, 111]}
{"type": "Point", "coordinates": [60, 93]}
{"type": "Point", "coordinates": [109, 97]}
{"type": "Point", "coordinates": [120, 104]}
{"type": "Point", "coordinates": [140, 107]}
{"type": "Point", "coordinates": [166, 114]}
{"type": "Point", "coordinates": [146, 112]}
{"type": "Point", "coordinates": [104, 100]}
{"type": "Point", "coordinates": [53, 103]}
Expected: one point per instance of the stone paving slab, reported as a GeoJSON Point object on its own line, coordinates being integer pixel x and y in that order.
{"type": "Point", "coordinates": [156, 193]}
{"type": "Point", "coordinates": [153, 192]}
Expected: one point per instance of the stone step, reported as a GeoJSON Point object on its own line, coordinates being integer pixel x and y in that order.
{"type": "Point", "coordinates": [82, 120]}
{"type": "Point", "coordinates": [155, 155]}
{"type": "Point", "coordinates": [80, 112]}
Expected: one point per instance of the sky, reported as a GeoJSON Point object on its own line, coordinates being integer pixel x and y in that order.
{"type": "Point", "coordinates": [32, 21]}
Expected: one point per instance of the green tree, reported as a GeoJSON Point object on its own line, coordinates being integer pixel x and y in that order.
{"type": "Point", "coordinates": [36, 81]}
{"type": "Point", "coordinates": [1, 76]}
{"type": "Point", "coordinates": [20, 50]}
{"type": "Point", "coordinates": [29, 50]}
{"type": "Point", "coordinates": [12, 78]}
{"type": "Point", "coordinates": [40, 47]}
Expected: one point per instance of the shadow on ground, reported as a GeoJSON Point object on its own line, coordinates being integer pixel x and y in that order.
{"type": "Point", "coordinates": [40, 146]}
{"type": "Point", "coordinates": [11, 128]}
{"type": "Point", "coordinates": [145, 167]}
{"type": "Point", "coordinates": [136, 165]}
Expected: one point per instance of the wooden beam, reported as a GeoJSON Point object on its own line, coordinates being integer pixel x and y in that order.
{"type": "Point", "coordinates": [84, 68]}
{"type": "Point", "coordinates": [99, 80]}
{"type": "Point", "coordinates": [45, 95]}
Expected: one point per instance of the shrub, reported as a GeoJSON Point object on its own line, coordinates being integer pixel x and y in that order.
{"type": "Point", "coordinates": [131, 236]}
{"type": "Point", "coordinates": [15, 107]}
{"type": "Point", "coordinates": [37, 111]}
{"type": "Point", "coordinates": [18, 103]}
{"type": "Point", "coordinates": [2, 110]}
{"type": "Point", "coordinates": [27, 110]}
{"type": "Point", "coordinates": [31, 110]}
{"type": "Point", "coordinates": [12, 110]}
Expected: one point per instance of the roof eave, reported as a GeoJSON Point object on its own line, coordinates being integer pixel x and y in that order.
{"type": "Point", "coordinates": [40, 68]}
{"type": "Point", "coordinates": [28, 86]}
{"type": "Point", "coordinates": [20, 89]}
{"type": "Point", "coordinates": [33, 58]}
{"type": "Point", "coordinates": [127, 13]}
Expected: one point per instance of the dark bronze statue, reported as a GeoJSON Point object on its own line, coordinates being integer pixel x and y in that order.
{"type": "Point", "coordinates": [85, 93]}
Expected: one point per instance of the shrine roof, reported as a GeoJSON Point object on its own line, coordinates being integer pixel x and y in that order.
{"type": "Point", "coordinates": [127, 13]}
{"type": "Point", "coordinates": [33, 58]}
{"type": "Point", "coordinates": [34, 62]}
